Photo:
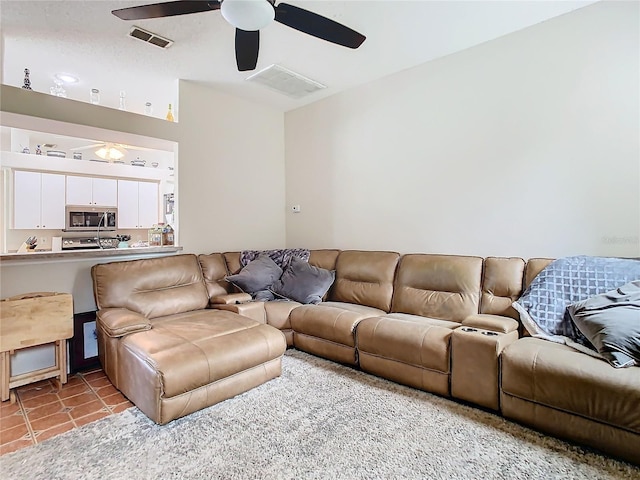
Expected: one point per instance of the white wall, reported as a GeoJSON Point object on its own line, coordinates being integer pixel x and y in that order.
{"type": "Point", "coordinates": [527, 145]}
{"type": "Point", "coordinates": [230, 175]}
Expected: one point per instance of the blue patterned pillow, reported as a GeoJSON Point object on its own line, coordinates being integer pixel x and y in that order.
{"type": "Point", "coordinates": [543, 305]}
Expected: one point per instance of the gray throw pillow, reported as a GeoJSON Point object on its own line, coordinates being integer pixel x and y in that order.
{"type": "Point", "coordinates": [611, 322]}
{"type": "Point", "coordinates": [258, 275]}
{"type": "Point", "coordinates": [304, 283]}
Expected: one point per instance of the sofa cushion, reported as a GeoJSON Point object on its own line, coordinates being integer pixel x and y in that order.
{"type": "Point", "coordinates": [214, 270]}
{"type": "Point", "coordinates": [557, 376]}
{"type": "Point", "coordinates": [331, 321]}
{"type": "Point", "coordinates": [257, 276]}
{"type": "Point", "coordinates": [152, 287]}
{"type": "Point", "coordinates": [611, 323]}
{"type": "Point", "coordinates": [501, 285]}
{"type": "Point", "coordinates": [303, 283]}
{"type": "Point", "coordinates": [438, 286]}
{"type": "Point", "coordinates": [365, 278]}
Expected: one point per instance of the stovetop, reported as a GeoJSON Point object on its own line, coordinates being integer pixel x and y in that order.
{"type": "Point", "coordinates": [88, 243]}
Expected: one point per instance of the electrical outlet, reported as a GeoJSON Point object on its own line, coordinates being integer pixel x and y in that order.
{"type": "Point", "coordinates": [42, 240]}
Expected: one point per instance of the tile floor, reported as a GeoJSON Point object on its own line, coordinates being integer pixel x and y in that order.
{"type": "Point", "coordinates": [41, 411]}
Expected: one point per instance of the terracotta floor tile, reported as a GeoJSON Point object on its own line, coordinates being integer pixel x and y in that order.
{"type": "Point", "coordinates": [74, 390]}
{"type": "Point", "coordinates": [36, 392]}
{"type": "Point", "coordinates": [72, 381]}
{"type": "Point", "coordinates": [8, 408]}
{"type": "Point", "coordinates": [115, 399]}
{"type": "Point", "coordinates": [42, 384]}
{"type": "Point", "coordinates": [11, 421]}
{"type": "Point", "coordinates": [13, 434]}
{"type": "Point", "coordinates": [52, 432]}
{"type": "Point", "coordinates": [51, 421]}
{"type": "Point", "coordinates": [51, 412]}
{"type": "Point", "coordinates": [89, 377]}
{"type": "Point", "coordinates": [79, 399]}
{"type": "Point", "coordinates": [122, 407]}
{"type": "Point", "coordinates": [99, 382]}
{"type": "Point", "coordinates": [39, 400]}
{"type": "Point", "coordinates": [13, 446]}
{"type": "Point", "coordinates": [90, 418]}
{"type": "Point", "coordinates": [44, 411]}
{"type": "Point", "coordinates": [86, 409]}
{"type": "Point", "coordinates": [106, 391]}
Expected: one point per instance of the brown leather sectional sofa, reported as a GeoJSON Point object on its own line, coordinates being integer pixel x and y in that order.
{"type": "Point", "coordinates": [440, 323]}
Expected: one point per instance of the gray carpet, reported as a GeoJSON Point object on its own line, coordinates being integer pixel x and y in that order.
{"type": "Point", "coordinates": [319, 420]}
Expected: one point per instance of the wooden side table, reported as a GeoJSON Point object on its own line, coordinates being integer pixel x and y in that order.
{"type": "Point", "coordinates": [29, 320]}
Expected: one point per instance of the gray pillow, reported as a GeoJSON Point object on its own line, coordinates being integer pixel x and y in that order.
{"type": "Point", "coordinates": [258, 275]}
{"type": "Point", "coordinates": [304, 283]}
{"type": "Point", "coordinates": [611, 322]}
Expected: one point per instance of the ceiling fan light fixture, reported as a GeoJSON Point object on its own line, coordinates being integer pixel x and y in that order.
{"type": "Point", "coordinates": [248, 15]}
{"type": "Point", "coordinates": [66, 78]}
{"type": "Point", "coordinates": [110, 153]}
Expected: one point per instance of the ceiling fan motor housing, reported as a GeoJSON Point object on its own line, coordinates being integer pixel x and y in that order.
{"type": "Point", "coordinates": [248, 15]}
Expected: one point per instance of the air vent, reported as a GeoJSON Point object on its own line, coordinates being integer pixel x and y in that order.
{"type": "Point", "coordinates": [149, 37]}
{"type": "Point", "coordinates": [285, 81]}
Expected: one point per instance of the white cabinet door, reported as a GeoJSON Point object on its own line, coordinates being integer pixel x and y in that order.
{"type": "Point", "coordinates": [52, 208]}
{"type": "Point", "coordinates": [147, 204]}
{"type": "Point", "coordinates": [38, 200]}
{"type": "Point", "coordinates": [92, 191]}
{"type": "Point", "coordinates": [127, 204]}
{"type": "Point", "coordinates": [26, 199]}
{"type": "Point", "coordinates": [105, 192]}
{"type": "Point", "coordinates": [79, 190]}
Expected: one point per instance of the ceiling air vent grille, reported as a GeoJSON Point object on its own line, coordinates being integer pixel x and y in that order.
{"type": "Point", "coordinates": [149, 37]}
{"type": "Point", "coordinates": [285, 81]}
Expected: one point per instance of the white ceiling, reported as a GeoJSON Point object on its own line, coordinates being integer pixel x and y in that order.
{"type": "Point", "coordinates": [83, 38]}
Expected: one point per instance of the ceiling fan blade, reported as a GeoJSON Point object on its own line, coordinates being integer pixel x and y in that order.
{"type": "Point", "coordinates": [318, 26]}
{"type": "Point", "coordinates": [247, 46]}
{"type": "Point", "coordinates": [132, 147]}
{"type": "Point", "coordinates": [86, 147]}
{"type": "Point", "coordinates": [166, 9]}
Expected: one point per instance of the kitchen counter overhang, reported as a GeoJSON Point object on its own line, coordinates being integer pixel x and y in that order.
{"type": "Point", "coordinates": [47, 255]}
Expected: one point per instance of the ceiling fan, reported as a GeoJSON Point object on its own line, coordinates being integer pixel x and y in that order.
{"type": "Point", "coordinates": [110, 151]}
{"type": "Point", "coordinates": [248, 17]}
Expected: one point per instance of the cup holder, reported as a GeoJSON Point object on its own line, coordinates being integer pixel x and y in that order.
{"type": "Point", "coordinates": [469, 329]}
{"type": "Point", "coordinates": [490, 334]}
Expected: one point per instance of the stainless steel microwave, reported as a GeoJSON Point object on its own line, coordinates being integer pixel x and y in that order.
{"type": "Point", "coordinates": [82, 218]}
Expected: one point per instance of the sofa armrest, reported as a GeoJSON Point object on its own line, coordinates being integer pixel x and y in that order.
{"type": "Point", "coordinates": [495, 323]}
{"type": "Point", "coordinates": [230, 299]}
{"type": "Point", "coordinates": [252, 310]}
{"type": "Point", "coordinates": [118, 322]}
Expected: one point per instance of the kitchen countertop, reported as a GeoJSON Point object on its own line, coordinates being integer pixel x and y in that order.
{"type": "Point", "coordinates": [39, 255]}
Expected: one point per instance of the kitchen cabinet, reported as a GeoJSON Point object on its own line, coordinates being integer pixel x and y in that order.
{"type": "Point", "coordinates": [38, 200]}
{"type": "Point", "coordinates": [138, 205]}
{"type": "Point", "coordinates": [92, 191]}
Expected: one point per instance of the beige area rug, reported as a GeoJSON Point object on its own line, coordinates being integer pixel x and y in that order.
{"type": "Point", "coordinates": [319, 420]}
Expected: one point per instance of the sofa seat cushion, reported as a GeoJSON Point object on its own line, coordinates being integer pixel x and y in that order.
{"type": "Point", "coordinates": [557, 376]}
{"type": "Point", "coordinates": [332, 321]}
{"type": "Point", "coordinates": [410, 339]}
{"type": "Point", "coordinates": [190, 350]}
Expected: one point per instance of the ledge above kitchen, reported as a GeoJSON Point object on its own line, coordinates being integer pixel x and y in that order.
{"type": "Point", "coordinates": [46, 255]}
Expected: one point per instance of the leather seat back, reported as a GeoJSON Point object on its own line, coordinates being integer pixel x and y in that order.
{"type": "Point", "coordinates": [153, 287]}
{"type": "Point", "coordinates": [445, 287]}
{"type": "Point", "coordinates": [502, 281]}
{"type": "Point", "coordinates": [214, 269]}
{"type": "Point", "coordinates": [533, 268]}
{"type": "Point", "coordinates": [365, 278]}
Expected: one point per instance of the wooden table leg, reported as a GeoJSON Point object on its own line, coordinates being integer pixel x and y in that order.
{"type": "Point", "coordinates": [5, 374]}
